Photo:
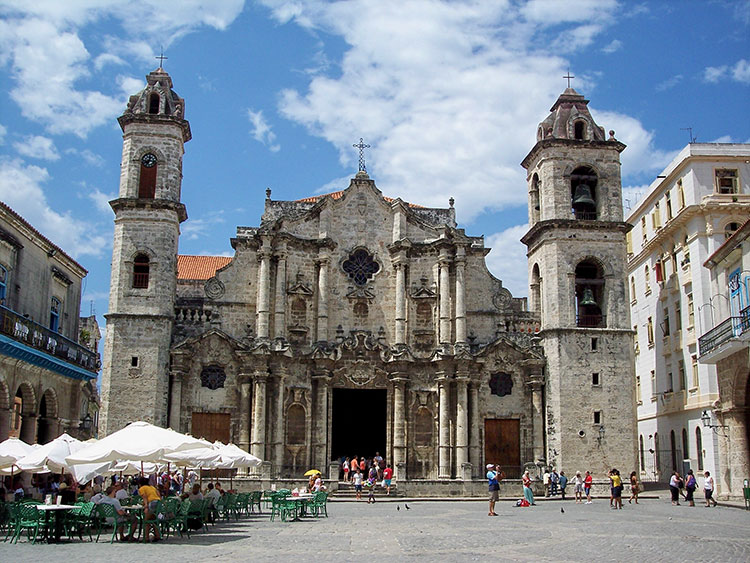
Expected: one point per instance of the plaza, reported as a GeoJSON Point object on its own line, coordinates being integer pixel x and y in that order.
{"type": "Point", "coordinates": [445, 531]}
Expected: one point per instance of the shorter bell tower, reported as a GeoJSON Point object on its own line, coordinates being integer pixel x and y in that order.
{"type": "Point", "coordinates": [148, 213]}
{"type": "Point", "coordinates": [577, 272]}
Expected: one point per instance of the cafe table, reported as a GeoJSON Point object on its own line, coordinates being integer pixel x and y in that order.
{"type": "Point", "coordinates": [58, 510]}
{"type": "Point", "coordinates": [299, 504]}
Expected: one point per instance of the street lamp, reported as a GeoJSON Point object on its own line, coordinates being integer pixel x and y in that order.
{"type": "Point", "coordinates": [706, 421]}
{"type": "Point", "coordinates": [85, 425]}
{"type": "Point", "coordinates": [601, 434]}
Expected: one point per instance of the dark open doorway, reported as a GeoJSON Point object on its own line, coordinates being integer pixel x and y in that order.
{"type": "Point", "coordinates": [359, 422]}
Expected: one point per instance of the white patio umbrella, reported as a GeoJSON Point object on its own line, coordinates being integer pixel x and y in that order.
{"type": "Point", "coordinates": [138, 441]}
{"type": "Point", "coordinates": [233, 457]}
{"type": "Point", "coordinates": [200, 457]}
{"type": "Point", "coordinates": [13, 449]}
{"type": "Point", "coordinates": [51, 456]}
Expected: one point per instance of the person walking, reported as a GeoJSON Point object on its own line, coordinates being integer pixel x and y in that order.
{"type": "Point", "coordinates": [563, 483]}
{"type": "Point", "coordinates": [494, 488]}
{"type": "Point", "coordinates": [587, 482]}
{"type": "Point", "coordinates": [690, 485]}
{"type": "Point", "coordinates": [708, 489]}
{"type": "Point", "coordinates": [675, 483]}
{"type": "Point", "coordinates": [554, 480]}
{"type": "Point", "coordinates": [616, 489]}
{"type": "Point", "coordinates": [545, 482]}
{"type": "Point", "coordinates": [578, 487]}
{"type": "Point", "coordinates": [634, 488]}
{"type": "Point", "coordinates": [527, 492]}
{"type": "Point", "coordinates": [387, 476]}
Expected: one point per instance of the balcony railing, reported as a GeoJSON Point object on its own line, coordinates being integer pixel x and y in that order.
{"type": "Point", "coordinates": [727, 329]}
{"type": "Point", "coordinates": [591, 321]}
{"type": "Point", "coordinates": [585, 215]}
{"type": "Point", "coordinates": [33, 334]}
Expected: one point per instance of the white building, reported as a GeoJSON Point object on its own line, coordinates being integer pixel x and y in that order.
{"type": "Point", "coordinates": [695, 204]}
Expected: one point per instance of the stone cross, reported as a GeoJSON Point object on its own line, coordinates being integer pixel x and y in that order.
{"type": "Point", "coordinates": [568, 76]}
{"type": "Point", "coordinates": [361, 146]}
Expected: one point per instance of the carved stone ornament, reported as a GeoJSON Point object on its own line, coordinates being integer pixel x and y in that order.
{"type": "Point", "coordinates": [501, 299]}
{"type": "Point", "coordinates": [213, 377]}
{"type": "Point", "coordinates": [214, 288]}
{"type": "Point", "coordinates": [361, 374]}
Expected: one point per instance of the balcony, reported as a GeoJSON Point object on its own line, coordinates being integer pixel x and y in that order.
{"type": "Point", "coordinates": [726, 338]}
{"type": "Point", "coordinates": [27, 340]}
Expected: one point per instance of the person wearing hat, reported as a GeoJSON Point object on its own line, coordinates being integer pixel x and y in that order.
{"type": "Point", "coordinates": [494, 488]}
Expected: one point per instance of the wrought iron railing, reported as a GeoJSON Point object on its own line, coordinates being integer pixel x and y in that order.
{"type": "Point", "coordinates": [591, 321]}
{"type": "Point", "coordinates": [585, 215]}
{"type": "Point", "coordinates": [33, 334]}
{"type": "Point", "coordinates": [728, 328]}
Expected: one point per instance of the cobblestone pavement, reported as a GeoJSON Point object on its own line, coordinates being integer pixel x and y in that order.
{"type": "Point", "coordinates": [444, 531]}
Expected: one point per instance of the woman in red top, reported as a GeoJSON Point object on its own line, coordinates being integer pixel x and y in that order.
{"type": "Point", "coordinates": [587, 482]}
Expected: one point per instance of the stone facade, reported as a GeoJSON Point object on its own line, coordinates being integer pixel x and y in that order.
{"type": "Point", "coordinates": [45, 374]}
{"type": "Point", "coordinates": [352, 323]}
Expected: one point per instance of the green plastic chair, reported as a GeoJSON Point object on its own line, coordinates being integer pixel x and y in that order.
{"type": "Point", "coordinates": [243, 504]}
{"type": "Point", "coordinates": [318, 504]}
{"type": "Point", "coordinates": [105, 511]}
{"type": "Point", "coordinates": [12, 510]}
{"type": "Point", "coordinates": [179, 522]}
{"type": "Point", "coordinates": [256, 497]}
{"type": "Point", "coordinates": [29, 519]}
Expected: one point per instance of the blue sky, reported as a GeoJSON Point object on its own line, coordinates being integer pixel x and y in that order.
{"type": "Point", "coordinates": [447, 93]}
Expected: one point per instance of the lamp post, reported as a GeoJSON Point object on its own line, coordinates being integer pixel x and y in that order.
{"type": "Point", "coordinates": [601, 435]}
{"type": "Point", "coordinates": [706, 421]}
{"type": "Point", "coordinates": [84, 427]}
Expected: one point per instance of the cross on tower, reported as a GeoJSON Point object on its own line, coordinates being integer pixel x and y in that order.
{"type": "Point", "coordinates": [161, 58]}
{"type": "Point", "coordinates": [361, 146]}
{"type": "Point", "coordinates": [568, 76]}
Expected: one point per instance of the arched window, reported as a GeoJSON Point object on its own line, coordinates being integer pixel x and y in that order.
{"type": "Point", "coordinates": [536, 289]}
{"type": "Point", "coordinates": [657, 452]}
{"type": "Point", "coordinates": [640, 448]}
{"type": "Point", "coordinates": [295, 425]}
{"type": "Point", "coordinates": [54, 314]}
{"type": "Point", "coordinates": [141, 267]}
{"type": "Point", "coordinates": [579, 130]}
{"type": "Point", "coordinates": [147, 179]}
{"type": "Point", "coordinates": [632, 288]}
{"type": "Point", "coordinates": [730, 229]}
{"type": "Point", "coordinates": [423, 427]}
{"type": "Point", "coordinates": [685, 444]}
{"type": "Point", "coordinates": [153, 103]}
{"type": "Point", "coordinates": [673, 448]}
{"type": "Point", "coordinates": [699, 447]}
{"type": "Point", "coordinates": [534, 204]}
{"type": "Point", "coordinates": [583, 183]}
{"type": "Point", "coordinates": [589, 295]}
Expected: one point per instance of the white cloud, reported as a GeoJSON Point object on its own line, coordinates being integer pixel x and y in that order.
{"type": "Point", "coordinates": [21, 189]}
{"type": "Point", "coordinates": [669, 83]}
{"type": "Point", "coordinates": [101, 200]}
{"type": "Point", "coordinates": [36, 146]}
{"type": "Point", "coordinates": [3, 132]}
{"type": "Point", "coordinates": [631, 195]}
{"type": "Point", "coordinates": [507, 259]}
{"type": "Point", "coordinates": [88, 156]}
{"type": "Point", "coordinates": [612, 46]}
{"type": "Point", "coordinates": [722, 139]}
{"type": "Point", "coordinates": [262, 130]}
{"type": "Point", "coordinates": [741, 71]}
{"type": "Point", "coordinates": [197, 228]}
{"type": "Point", "coordinates": [714, 73]}
{"type": "Point", "coordinates": [107, 59]}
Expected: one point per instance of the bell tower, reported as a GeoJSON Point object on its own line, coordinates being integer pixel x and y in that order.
{"type": "Point", "coordinates": [148, 213]}
{"type": "Point", "coordinates": [577, 272]}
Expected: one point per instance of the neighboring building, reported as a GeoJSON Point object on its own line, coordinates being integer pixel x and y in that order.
{"type": "Point", "coordinates": [45, 375]}
{"type": "Point", "coordinates": [353, 323]}
{"type": "Point", "coordinates": [696, 203]}
{"type": "Point", "coordinates": [727, 346]}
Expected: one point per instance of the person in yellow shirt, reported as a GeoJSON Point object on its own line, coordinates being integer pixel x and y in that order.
{"type": "Point", "coordinates": [616, 482]}
{"type": "Point", "coordinates": [150, 497]}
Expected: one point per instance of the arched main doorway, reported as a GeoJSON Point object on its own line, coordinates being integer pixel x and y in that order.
{"type": "Point", "coordinates": [358, 423]}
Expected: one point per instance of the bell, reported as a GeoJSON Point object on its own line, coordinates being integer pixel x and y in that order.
{"type": "Point", "coordinates": [583, 196]}
{"type": "Point", "coordinates": [588, 297]}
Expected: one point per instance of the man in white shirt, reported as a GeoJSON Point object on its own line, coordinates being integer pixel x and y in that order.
{"type": "Point", "coordinates": [708, 489]}
{"type": "Point", "coordinates": [109, 498]}
{"type": "Point", "coordinates": [120, 493]}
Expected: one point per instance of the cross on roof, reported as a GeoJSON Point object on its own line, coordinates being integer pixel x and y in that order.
{"type": "Point", "coordinates": [161, 58]}
{"type": "Point", "coordinates": [568, 76]}
{"type": "Point", "coordinates": [361, 146]}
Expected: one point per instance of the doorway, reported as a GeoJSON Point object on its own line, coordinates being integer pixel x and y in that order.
{"type": "Point", "coordinates": [358, 422]}
{"type": "Point", "coordinates": [502, 445]}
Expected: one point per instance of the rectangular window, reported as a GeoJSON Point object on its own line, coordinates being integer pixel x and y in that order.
{"type": "Point", "coordinates": [54, 315]}
{"type": "Point", "coordinates": [3, 284]}
{"type": "Point", "coordinates": [595, 379]}
{"type": "Point", "coordinates": [659, 271]}
{"type": "Point", "coordinates": [638, 389]}
{"type": "Point", "coordinates": [677, 316]}
{"type": "Point", "coordinates": [665, 323]}
{"type": "Point", "coordinates": [629, 242]}
{"type": "Point", "coordinates": [594, 344]}
{"type": "Point", "coordinates": [680, 194]}
{"type": "Point", "coordinates": [653, 385]}
{"type": "Point", "coordinates": [682, 382]}
{"type": "Point", "coordinates": [696, 380]}
{"type": "Point", "coordinates": [633, 298]}
{"type": "Point", "coordinates": [643, 230]}
{"type": "Point", "coordinates": [656, 217]}
{"type": "Point", "coordinates": [134, 361]}
{"type": "Point", "coordinates": [635, 339]}
{"type": "Point", "coordinates": [669, 205]}
{"type": "Point", "coordinates": [597, 417]}
{"type": "Point", "coordinates": [726, 181]}
{"type": "Point", "coordinates": [690, 312]}
{"type": "Point", "coordinates": [650, 331]}
{"type": "Point", "coordinates": [674, 261]}
{"type": "Point", "coordinates": [670, 383]}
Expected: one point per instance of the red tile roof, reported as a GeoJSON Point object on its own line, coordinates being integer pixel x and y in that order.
{"type": "Point", "coordinates": [199, 267]}
{"type": "Point", "coordinates": [337, 195]}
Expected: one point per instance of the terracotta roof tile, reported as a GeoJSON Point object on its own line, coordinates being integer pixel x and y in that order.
{"type": "Point", "coordinates": [337, 195]}
{"type": "Point", "coordinates": [199, 267]}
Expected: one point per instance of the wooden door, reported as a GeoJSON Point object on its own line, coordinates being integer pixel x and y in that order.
{"type": "Point", "coordinates": [502, 445]}
{"type": "Point", "coordinates": [211, 426]}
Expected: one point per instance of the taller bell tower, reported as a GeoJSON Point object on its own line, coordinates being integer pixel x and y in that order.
{"type": "Point", "coordinates": [577, 272]}
{"type": "Point", "coordinates": [148, 213]}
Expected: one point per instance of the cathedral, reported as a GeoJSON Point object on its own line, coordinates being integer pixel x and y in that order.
{"type": "Point", "coordinates": [352, 323]}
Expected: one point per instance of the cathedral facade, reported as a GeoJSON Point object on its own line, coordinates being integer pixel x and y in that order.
{"type": "Point", "coordinates": [351, 323]}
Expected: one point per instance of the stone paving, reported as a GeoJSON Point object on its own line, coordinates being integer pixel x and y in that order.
{"type": "Point", "coordinates": [444, 531]}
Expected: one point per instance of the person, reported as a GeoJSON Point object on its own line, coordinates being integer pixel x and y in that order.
{"type": "Point", "coordinates": [195, 493]}
{"type": "Point", "coordinates": [634, 488]}
{"type": "Point", "coordinates": [318, 483]}
{"type": "Point", "coordinates": [527, 492]}
{"type": "Point", "coordinates": [372, 476]}
{"type": "Point", "coordinates": [358, 483]}
{"type": "Point", "coordinates": [494, 488]}
{"type": "Point", "coordinates": [109, 498]}
{"type": "Point", "coordinates": [554, 480]}
{"type": "Point", "coordinates": [371, 495]}
{"type": "Point", "coordinates": [213, 494]}
{"type": "Point", "coordinates": [151, 498]}
{"type": "Point", "coordinates": [690, 485]}
{"type": "Point", "coordinates": [353, 466]}
{"type": "Point", "coordinates": [345, 467]}
{"type": "Point", "coordinates": [120, 492]}
{"type": "Point", "coordinates": [578, 487]}
{"type": "Point", "coordinates": [587, 482]}
{"type": "Point", "coordinates": [545, 481]}
{"type": "Point", "coordinates": [675, 483]}
{"type": "Point", "coordinates": [387, 476]}
{"type": "Point", "coordinates": [616, 489]}
{"type": "Point", "coordinates": [708, 489]}
{"type": "Point", "coordinates": [563, 483]}
{"type": "Point", "coordinates": [362, 465]}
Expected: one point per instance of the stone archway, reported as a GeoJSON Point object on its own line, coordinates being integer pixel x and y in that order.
{"type": "Point", "coordinates": [24, 413]}
{"type": "Point", "coordinates": [47, 426]}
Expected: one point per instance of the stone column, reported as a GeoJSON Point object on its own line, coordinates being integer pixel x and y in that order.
{"type": "Point", "coordinates": [535, 383]}
{"type": "Point", "coordinates": [28, 428]}
{"type": "Point", "coordinates": [280, 296]}
{"type": "Point", "coordinates": [278, 426]}
{"type": "Point", "coordinates": [475, 452]}
{"type": "Point", "coordinates": [445, 296]}
{"type": "Point", "coordinates": [462, 421]}
{"type": "Point", "coordinates": [399, 425]}
{"type": "Point", "coordinates": [322, 332]}
{"type": "Point", "coordinates": [244, 436]}
{"type": "Point", "coordinates": [460, 295]}
{"type": "Point", "coordinates": [175, 401]}
{"type": "Point", "coordinates": [320, 420]}
{"type": "Point", "coordinates": [444, 430]}
{"type": "Point", "coordinates": [400, 267]}
{"type": "Point", "coordinates": [734, 459]}
{"type": "Point", "coordinates": [258, 444]}
{"type": "Point", "coordinates": [264, 287]}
